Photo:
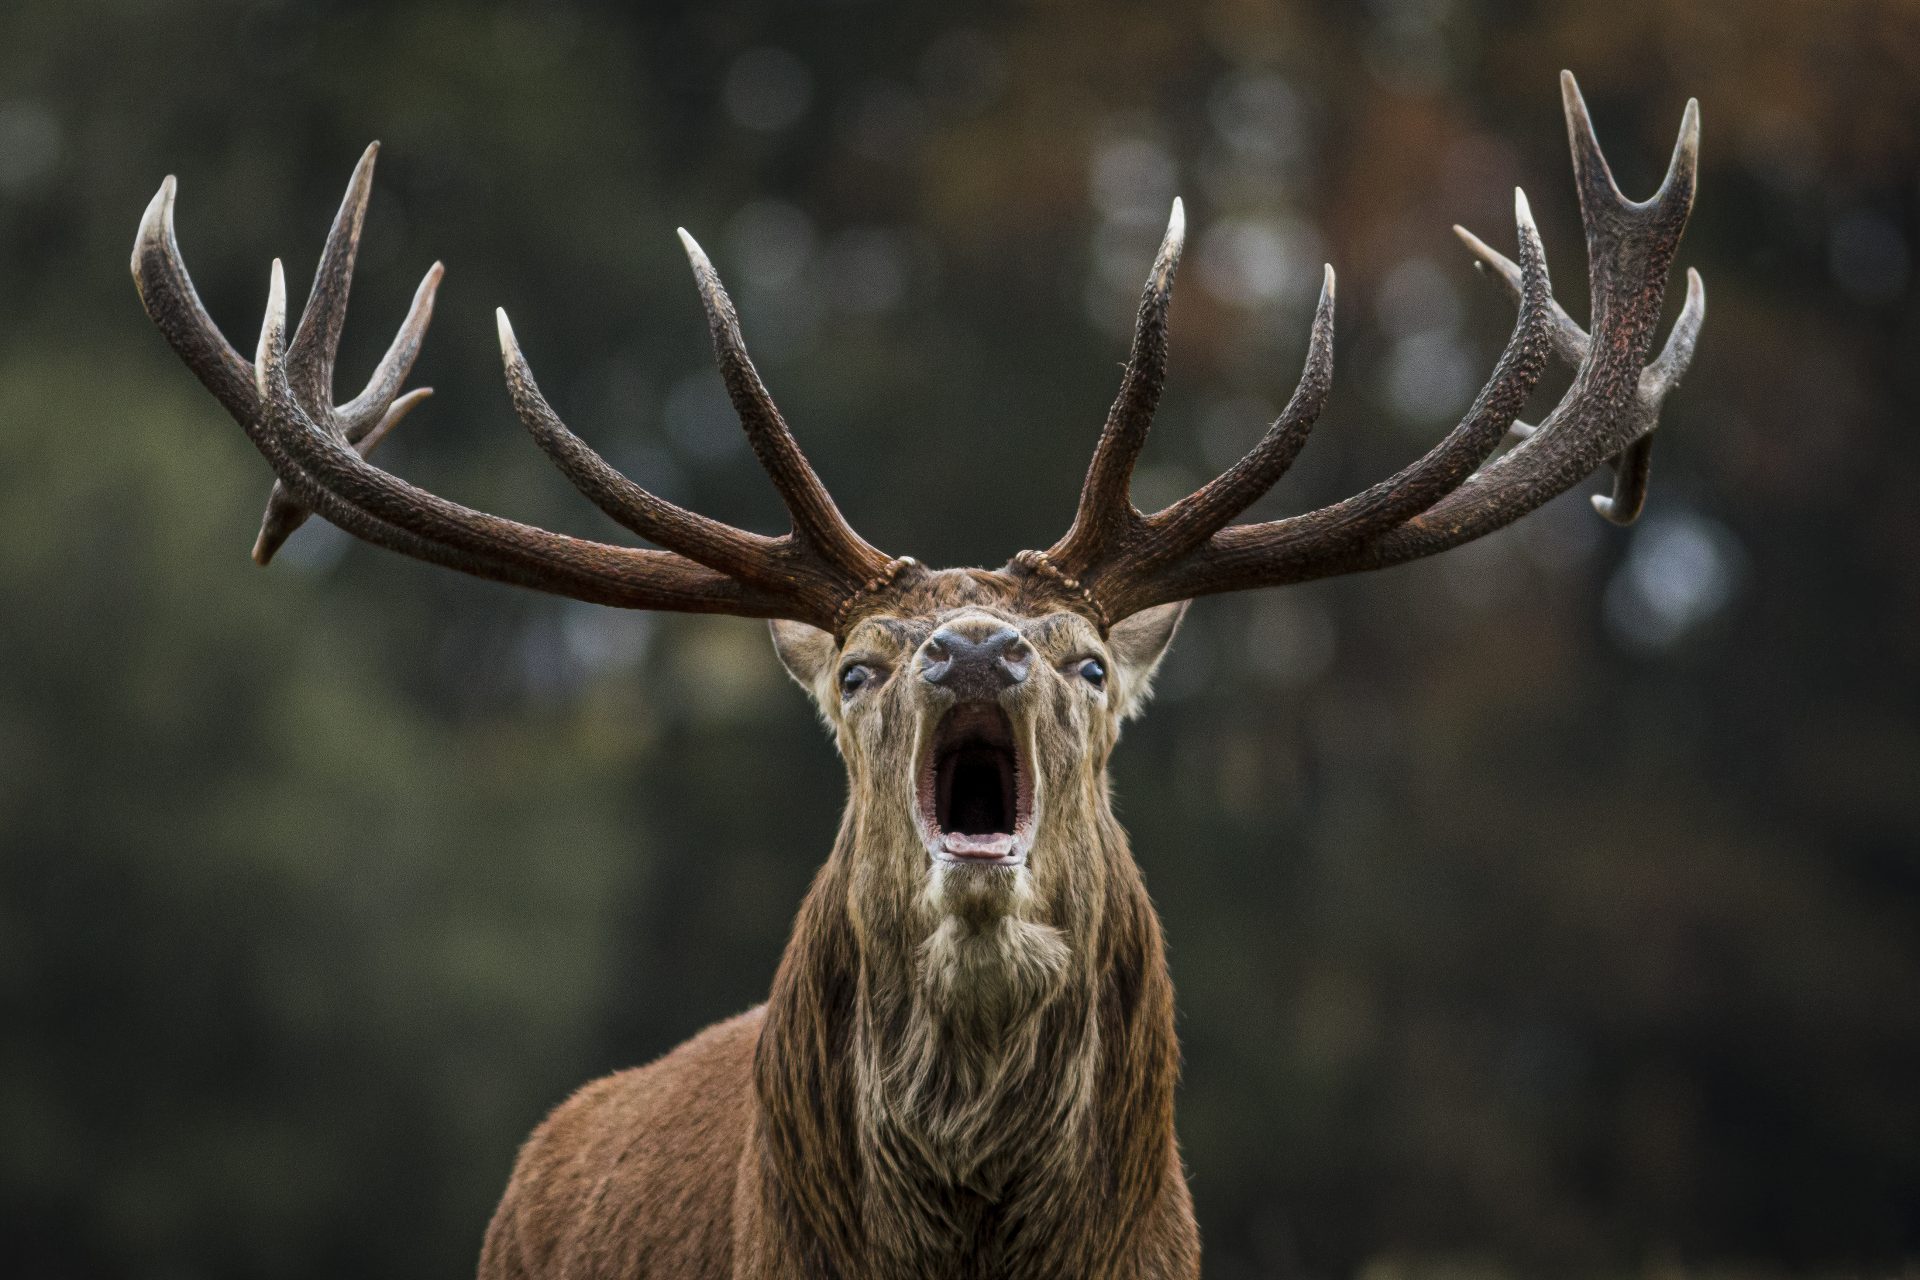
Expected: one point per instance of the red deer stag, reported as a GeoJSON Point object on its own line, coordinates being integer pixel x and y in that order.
{"type": "Point", "coordinates": [967, 1062]}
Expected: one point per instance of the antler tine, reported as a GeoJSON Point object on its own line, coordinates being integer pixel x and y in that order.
{"type": "Point", "coordinates": [1632, 473]}
{"type": "Point", "coordinates": [1664, 374]}
{"type": "Point", "coordinates": [366, 410]}
{"type": "Point", "coordinates": [815, 517]}
{"type": "Point", "coordinates": [316, 340]}
{"type": "Point", "coordinates": [1105, 513]}
{"type": "Point", "coordinates": [167, 292]}
{"type": "Point", "coordinates": [718, 546]}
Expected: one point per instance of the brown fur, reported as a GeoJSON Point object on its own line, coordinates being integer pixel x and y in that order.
{"type": "Point", "coordinates": [961, 1072]}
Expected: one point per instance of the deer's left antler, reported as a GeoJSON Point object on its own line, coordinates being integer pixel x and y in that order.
{"type": "Point", "coordinates": [1117, 561]}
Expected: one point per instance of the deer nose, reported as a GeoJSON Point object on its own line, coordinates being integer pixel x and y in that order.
{"type": "Point", "coordinates": [974, 667]}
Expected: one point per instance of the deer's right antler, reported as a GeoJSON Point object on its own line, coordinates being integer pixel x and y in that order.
{"type": "Point", "coordinates": [1114, 560]}
{"type": "Point", "coordinates": [284, 401]}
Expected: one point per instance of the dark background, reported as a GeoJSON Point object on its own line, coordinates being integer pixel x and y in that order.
{"type": "Point", "coordinates": [1547, 909]}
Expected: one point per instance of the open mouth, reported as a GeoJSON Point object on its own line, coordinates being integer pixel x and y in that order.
{"type": "Point", "coordinates": [975, 793]}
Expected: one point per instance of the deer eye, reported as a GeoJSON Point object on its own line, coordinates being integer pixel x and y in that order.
{"type": "Point", "coordinates": [1093, 671]}
{"type": "Point", "coordinates": [854, 677]}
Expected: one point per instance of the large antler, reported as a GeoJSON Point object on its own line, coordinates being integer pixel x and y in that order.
{"type": "Point", "coordinates": [318, 451]}
{"type": "Point", "coordinates": [1116, 561]}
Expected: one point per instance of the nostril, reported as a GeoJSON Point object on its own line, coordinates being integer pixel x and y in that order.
{"type": "Point", "coordinates": [971, 665]}
{"type": "Point", "coordinates": [1016, 657]}
{"type": "Point", "coordinates": [936, 660]}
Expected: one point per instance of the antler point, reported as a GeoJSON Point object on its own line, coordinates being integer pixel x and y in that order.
{"type": "Point", "coordinates": [155, 223]}
{"type": "Point", "coordinates": [1575, 104]}
{"type": "Point", "coordinates": [272, 325]}
{"type": "Point", "coordinates": [1686, 149]}
{"type": "Point", "coordinates": [363, 170]}
{"type": "Point", "coordinates": [1170, 245]}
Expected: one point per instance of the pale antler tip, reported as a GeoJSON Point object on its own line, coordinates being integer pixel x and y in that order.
{"type": "Point", "coordinates": [695, 254]}
{"type": "Point", "coordinates": [1170, 246]}
{"type": "Point", "coordinates": [155, 222]}
{"type": "Point", "coordinates": [509, 347]}
{"type": "Point", "coordinates": [1522, 211]}
{"type": "Point", "coordinates": [272, 325]}
{"type": "Point", "coordinates": [159, 214]}
{"type": "Point", "coordinates": [1326, 283]}
{"type": "Point", "coordinates": [1575, 104]}
{"type": "Point", "coordinates": [263, 548]}
{"type": "Point", "coordinates": [1686, 148]}
{"type": "Point", "coordinates": [360, 185]}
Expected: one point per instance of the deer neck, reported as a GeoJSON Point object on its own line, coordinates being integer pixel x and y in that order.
{"type": "Point", "coordinates": [961, 1093]}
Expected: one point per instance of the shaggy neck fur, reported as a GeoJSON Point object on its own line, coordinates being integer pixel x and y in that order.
{"type": "Point", "coordinates": [960, 1082]}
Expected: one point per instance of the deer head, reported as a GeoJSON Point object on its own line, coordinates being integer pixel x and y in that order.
{"type": "Point", "coordinates": [979, 866]}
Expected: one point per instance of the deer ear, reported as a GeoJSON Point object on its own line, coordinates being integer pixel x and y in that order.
{"type": "Point", "coordinates": [1138, 643]}
{"type": "Point", "coordinates": [806, 651]}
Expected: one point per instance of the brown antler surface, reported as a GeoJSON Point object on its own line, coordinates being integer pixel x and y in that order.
{"type": "Point", "coordinates": [1116, 561]}
{"type": "Point", "coordinates": [318, 451]}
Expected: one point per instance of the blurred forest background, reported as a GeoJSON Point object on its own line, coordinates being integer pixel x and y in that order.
{"type": "Point", "coordinates": [1548, 909]}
